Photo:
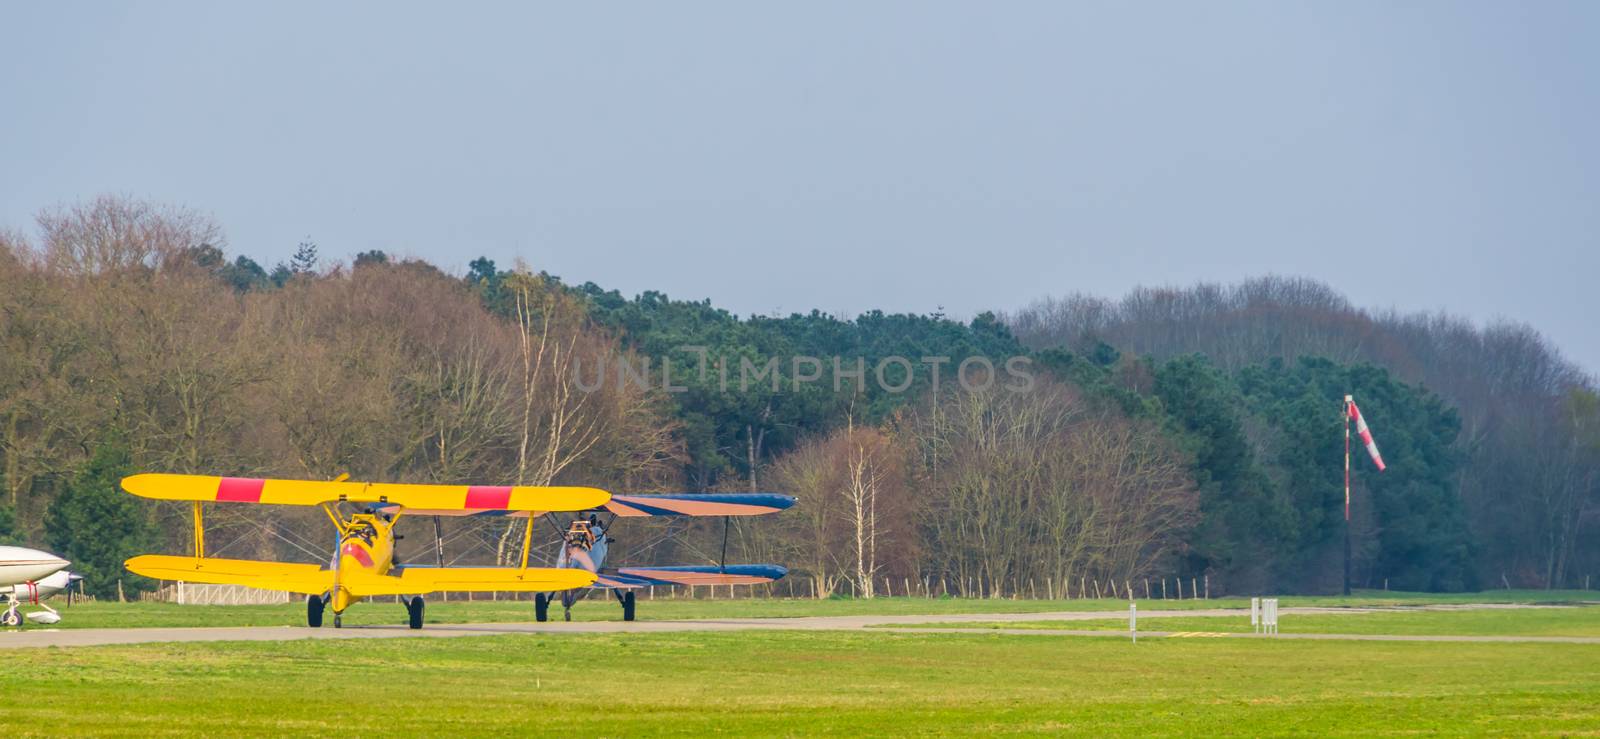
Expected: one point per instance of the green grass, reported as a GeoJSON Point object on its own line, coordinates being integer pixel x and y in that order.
{"type": "Point", "coordinates": [1520, 622]}
{"type": "Point", "coordinates": [595, 608]}
{"type": "Point", "coordinates": [598, 607]}
{"type": "Point", "coordinates": [788, 683]}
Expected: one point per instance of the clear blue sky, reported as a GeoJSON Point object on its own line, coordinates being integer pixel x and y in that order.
{"type": "Point", "coordinates": [853, 155]}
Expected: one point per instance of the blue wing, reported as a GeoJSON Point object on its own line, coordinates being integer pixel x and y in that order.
{"type": "Point", "coordinates": [699, 504]}
{"type": "Point", "coordinates": [639, 577]}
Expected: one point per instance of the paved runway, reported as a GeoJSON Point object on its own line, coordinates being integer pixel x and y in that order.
{"type": "Point", "coordinates": [35, 637]}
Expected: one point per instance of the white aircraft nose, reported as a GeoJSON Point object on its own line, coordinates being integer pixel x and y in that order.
{"type": "Point", "coordinates": [20, 564]}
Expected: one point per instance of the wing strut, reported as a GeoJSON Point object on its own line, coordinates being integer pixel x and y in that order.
{"type": "Point", "coordinates": [199, 533]}
{"type": "Point", "coordinates": [438, 540]}
{"type": "Point", "coordinates": [527, 540]}
{"type": "Point", "coordinates": [722, 564]}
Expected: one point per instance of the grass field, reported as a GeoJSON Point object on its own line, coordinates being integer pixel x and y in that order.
{"type": "Point", "coordinates": [786, 683]}
{"type": "Point", "coordinates": [599, 608]}
{"type": "Point", "coordinates": [1583, 621]}
{"type": "Point", "coordinates": [827, 682]}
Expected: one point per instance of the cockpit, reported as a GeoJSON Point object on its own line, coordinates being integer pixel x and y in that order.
{"type": "Point", "coordinates": [363, 529]}
{"type": "Point", "coordinates": [581, 535]}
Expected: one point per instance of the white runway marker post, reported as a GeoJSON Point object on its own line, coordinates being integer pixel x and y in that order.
{"type": "Point", "coordinates": [1133, 621]}
{"type": "Point", "coordinates": [1255, 615]}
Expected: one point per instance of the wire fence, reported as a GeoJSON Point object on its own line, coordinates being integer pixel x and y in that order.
{"type": "Point", "coordinates": [793, 587]}
{"type": "Point", "coordinates": [201, 594]}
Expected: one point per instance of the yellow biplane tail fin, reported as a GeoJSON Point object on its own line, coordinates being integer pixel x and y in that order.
{"type": "Point", "coordinates": [294, 578]}
{"type": "Point", "coordinates": [455, 498]}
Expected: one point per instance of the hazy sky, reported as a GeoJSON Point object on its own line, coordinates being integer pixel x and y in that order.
{"type": "Point", "coordinates": [849, 156]}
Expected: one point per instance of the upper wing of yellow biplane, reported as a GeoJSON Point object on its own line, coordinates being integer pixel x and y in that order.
{"type": "Point", "coordinates": [295, 578]}
{"type": "Point", "coordinates": [207, 488]}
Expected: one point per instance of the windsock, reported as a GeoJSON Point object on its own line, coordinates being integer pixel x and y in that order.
{"type": "Point", "coordinates": [1366, 435]}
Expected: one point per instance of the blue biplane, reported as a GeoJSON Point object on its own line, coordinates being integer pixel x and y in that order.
{"type": "Point", "coordinates": [585, 540]}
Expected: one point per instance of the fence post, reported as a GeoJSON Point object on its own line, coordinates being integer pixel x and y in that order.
{"type": "Point", "coordinates": [1133, 621]}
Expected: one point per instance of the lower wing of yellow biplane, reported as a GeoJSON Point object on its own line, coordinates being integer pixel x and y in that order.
{"type": "Point", "coordinates": [315, 580]}
{"type": "Point", "coordinates": [412, 580]}
{"type": "Point", "coordinates": [294, 578]}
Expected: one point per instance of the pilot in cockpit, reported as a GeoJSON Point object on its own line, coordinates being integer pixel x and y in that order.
{"type": "Point", "coordinates": [581, 535]}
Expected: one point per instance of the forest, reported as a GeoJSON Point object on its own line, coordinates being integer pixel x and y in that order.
{"type": "Point", "coordinates": [1194, 432]}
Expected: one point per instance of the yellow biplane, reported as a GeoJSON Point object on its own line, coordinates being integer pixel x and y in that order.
{"type": "Point", "coordinates": [363, 565]}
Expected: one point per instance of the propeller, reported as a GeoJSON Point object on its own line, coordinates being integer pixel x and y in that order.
{"type": "Point", "coordinates": [338, 565]}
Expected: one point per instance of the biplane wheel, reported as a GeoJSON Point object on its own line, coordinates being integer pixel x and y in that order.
{"type": "Point", "coordinates": [338, 621]}
{"type": "Point", "coordinates": [566, 613]}
{"type": "Point", "coordinates": [414, 610]}
{"type": "Point", "coordinates": [627, 606]}
{"type": "Point", "coordinates": [314, 607]}
{"type": "Point", "coordinates": [541, 607]}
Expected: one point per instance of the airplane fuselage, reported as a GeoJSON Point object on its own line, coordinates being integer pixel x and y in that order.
{"type": "Point", "coordinates": [19, 565]}
{"type": "Point", "coordinates": [37, 590]}
{"type": "Point", "coordinates": [366, 548]}
{"type": "Point", "coordinates": [583, 548]}
{"type": "Point", "coordinates": [590, 558]}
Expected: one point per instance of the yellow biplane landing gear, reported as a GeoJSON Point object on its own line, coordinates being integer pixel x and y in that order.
{"type": "Point", "coordinates": [338, 620]}
{"type": "Point", "coordinates": [314, 608]}
{"type": "Point", "coordinates": [414, 612]}
{"type": "Point", "coordinates": [625, 597]}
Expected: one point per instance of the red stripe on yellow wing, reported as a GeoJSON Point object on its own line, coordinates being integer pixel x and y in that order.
{"type": "Point", "coordinates": [240, 489]}
{"type": "Point", "coordinates": [488, 497]}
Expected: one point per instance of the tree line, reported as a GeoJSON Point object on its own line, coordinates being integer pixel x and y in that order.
{"type": "Point", "coordinates": [1525, 449]}
{"type": "Point", "coordinates": [1193, 434]}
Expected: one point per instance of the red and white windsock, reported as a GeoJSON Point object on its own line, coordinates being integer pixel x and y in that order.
{"type": "Point", "coordinates": [1365, 434]}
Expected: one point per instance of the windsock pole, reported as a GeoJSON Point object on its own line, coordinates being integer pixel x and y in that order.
{"type": "Point", "coordinates": [1347, 401]}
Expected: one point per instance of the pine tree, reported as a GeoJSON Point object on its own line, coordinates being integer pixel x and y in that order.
{"type": "Point", "coordinates": [97, 526]}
